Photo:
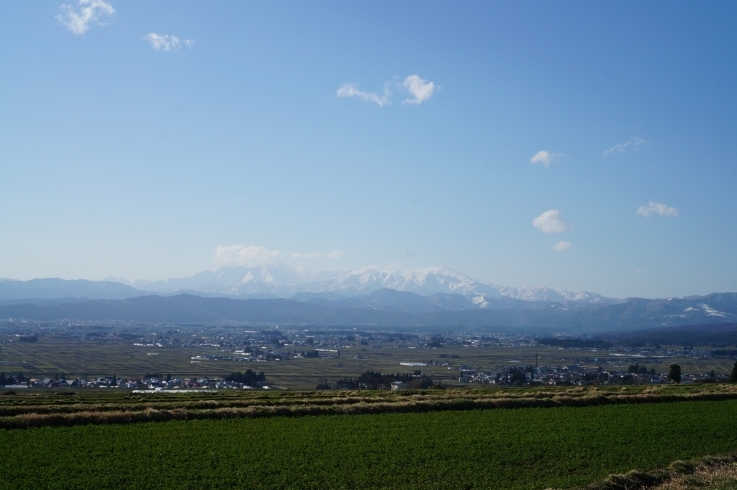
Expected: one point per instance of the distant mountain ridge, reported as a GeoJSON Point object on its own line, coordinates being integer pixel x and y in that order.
{"type": "Point", "coordinates": [279, 294]}
{"type": "Point", "coordinates": [435, 296]}
{"type": "Point", "coordinates": [392, 310]}
{"type": "Point", "coordinates": [54, 288]}
{"type": "Point", "coordinates": [404, 301]}
{"type": "Point", "coordinates": [283, 281]}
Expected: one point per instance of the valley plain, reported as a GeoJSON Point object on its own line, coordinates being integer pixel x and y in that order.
{"type": "Point", "coordinates": [126, 355]}
{"type": "Point", "coordinates": [222, 392]}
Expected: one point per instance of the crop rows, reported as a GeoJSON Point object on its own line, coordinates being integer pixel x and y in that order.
{"type": "Point", "coordinates": [511, 449]}
{"type": "Point", "coordinates": [46, 410]}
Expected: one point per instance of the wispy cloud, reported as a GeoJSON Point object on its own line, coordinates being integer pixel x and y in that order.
{"type": "Point", "coordinates": [242, 254]}
{"type": "Point", "coordinates": [657, 208]}
{"type": "Point", "coordinates": [255, 254]}
{"type": "Point", "coordinates": [167, 42]}
{"type": "Point", "coordinates": [562, 245]}
{"type": "Point", "coordinates": [552, 222]}
{"type": "Point", "coordinates": [335, 254]}
{"type": "Point", "coordinates": [350, 90]}
{"type": "Point", "coordinates": [545, 158]}
{"type": "Point", "coordinates": [420, 89]}
{"type": "Point", "coordinates": [86, 13]}
{"type": "Point", "coordinates": [630, 145]}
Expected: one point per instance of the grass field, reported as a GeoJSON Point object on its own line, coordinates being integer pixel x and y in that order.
{"type": "Point", "coordinates": [56, 354]}
{"type": "Point", "coordinates": [524, 448]}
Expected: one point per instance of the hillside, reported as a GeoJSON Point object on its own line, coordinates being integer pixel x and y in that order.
{"type": "Point", "coordinates": [632, 314]}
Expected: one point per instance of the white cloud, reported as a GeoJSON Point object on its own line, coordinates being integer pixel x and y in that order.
{"type": "Point", "coordinates": [167, 42]}
{"type": "Point", "coordinates": [335, 254]}
{"type": "Point", "coordinates": [420, 89]}
{"type": "Point", "coordinates": [545, 158]}
{"type": "Point", "coordinates": [657, 208]}
{"type": "Point", "coordinates": [562, 245]}
{"type": "Point", "coordinates": [630, 145]}
{"type": "Point", "coordinates": [350, 90]}
{"type": "Point", "coordinates": [242, 254]}
{"type": "Point", "coordinates": [81, 17]}
{"type": "Point", "coordinates": [552, 222]}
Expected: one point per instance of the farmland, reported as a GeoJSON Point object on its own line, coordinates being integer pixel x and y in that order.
{"type": "Point", "coordinates": [289, 435]}
{"type": "Point", "coordinates": [80, 407]}
{"type": "Point", "coordinates": [525, 448]}
{"type": "Point", "coordinates": [100, 356]}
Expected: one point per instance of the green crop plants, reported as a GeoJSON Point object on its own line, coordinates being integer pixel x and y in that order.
{"type": "Point", "coordinates": [524, 448]}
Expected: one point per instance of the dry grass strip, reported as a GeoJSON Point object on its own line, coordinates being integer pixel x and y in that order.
{"type": "Point", "coordinates": [587, 396]}
{"type": "Point", "coordinates": [83, 415]}
{"type": "Point", "coordinates": [709, 472]}
{"type": "Point", "coordinates": [705, 477]}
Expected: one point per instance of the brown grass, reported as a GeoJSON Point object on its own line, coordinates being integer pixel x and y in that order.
{"type": "Point", "coordinates": [709, 472]}
{"type": "Point", "coordinates": [326, 403]}
{"type": "Point", "coordinates": [710, 477]}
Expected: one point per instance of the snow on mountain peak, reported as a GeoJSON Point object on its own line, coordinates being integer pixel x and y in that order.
{"type": "Point", "coordinates": [282, 280]}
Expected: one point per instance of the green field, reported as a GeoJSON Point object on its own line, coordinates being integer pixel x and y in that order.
{"type": "Point", "coordinates": [522, 448]}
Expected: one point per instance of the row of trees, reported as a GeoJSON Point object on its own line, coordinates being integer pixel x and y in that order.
{"type": "Point", "coordinates": [674, 373]}
{"type": "Point", "coordinates": [314, 354]}
{"type": "Point", "coordinates": [580, 343]}
{"type": "Point", "coordinates": [637, 369]}
{"type": "Point", "coordinates": [250, 377]}
{"type": "Point", "coordinates": [11, 380]}
{"type": "Point", "coordinates": [374, 380]}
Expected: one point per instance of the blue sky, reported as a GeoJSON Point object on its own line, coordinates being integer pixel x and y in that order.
{"type": "Point", "coordinates": [158, 139]}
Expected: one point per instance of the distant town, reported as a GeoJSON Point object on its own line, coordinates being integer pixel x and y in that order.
{"type": "Point", "coordinates": [577, 362]}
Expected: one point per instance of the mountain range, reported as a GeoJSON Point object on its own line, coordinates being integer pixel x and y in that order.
{"type": "Point", "coordinates": [184, 308]}
{"type": "Point", "coordinates": [282, 281]}
{"type": "Point", "coordinates": [370, 296]}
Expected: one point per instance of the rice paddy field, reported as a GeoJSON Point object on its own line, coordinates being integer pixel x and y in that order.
{"type": "Point", "coordinates": [54, 354]}
{"type": "Point", "coordinates": [555, 446]}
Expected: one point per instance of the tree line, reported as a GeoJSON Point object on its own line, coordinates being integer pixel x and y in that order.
{"type": "Point", "coordinates": [250, 377]}
{"type": "Point", "coordinates": [375, 380]}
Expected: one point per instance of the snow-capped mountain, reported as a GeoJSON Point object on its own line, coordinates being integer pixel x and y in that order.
{"type": "Point", "coordinates": [368, 296]}
{"type": "Point", "coordinates": [536, 293]}
{"type": "Point", "coordinates": [419, 281]}
{"type": "Point", "coordinates": [275, 279]}
{"type": "Point", "coordinates": [283, 281]}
